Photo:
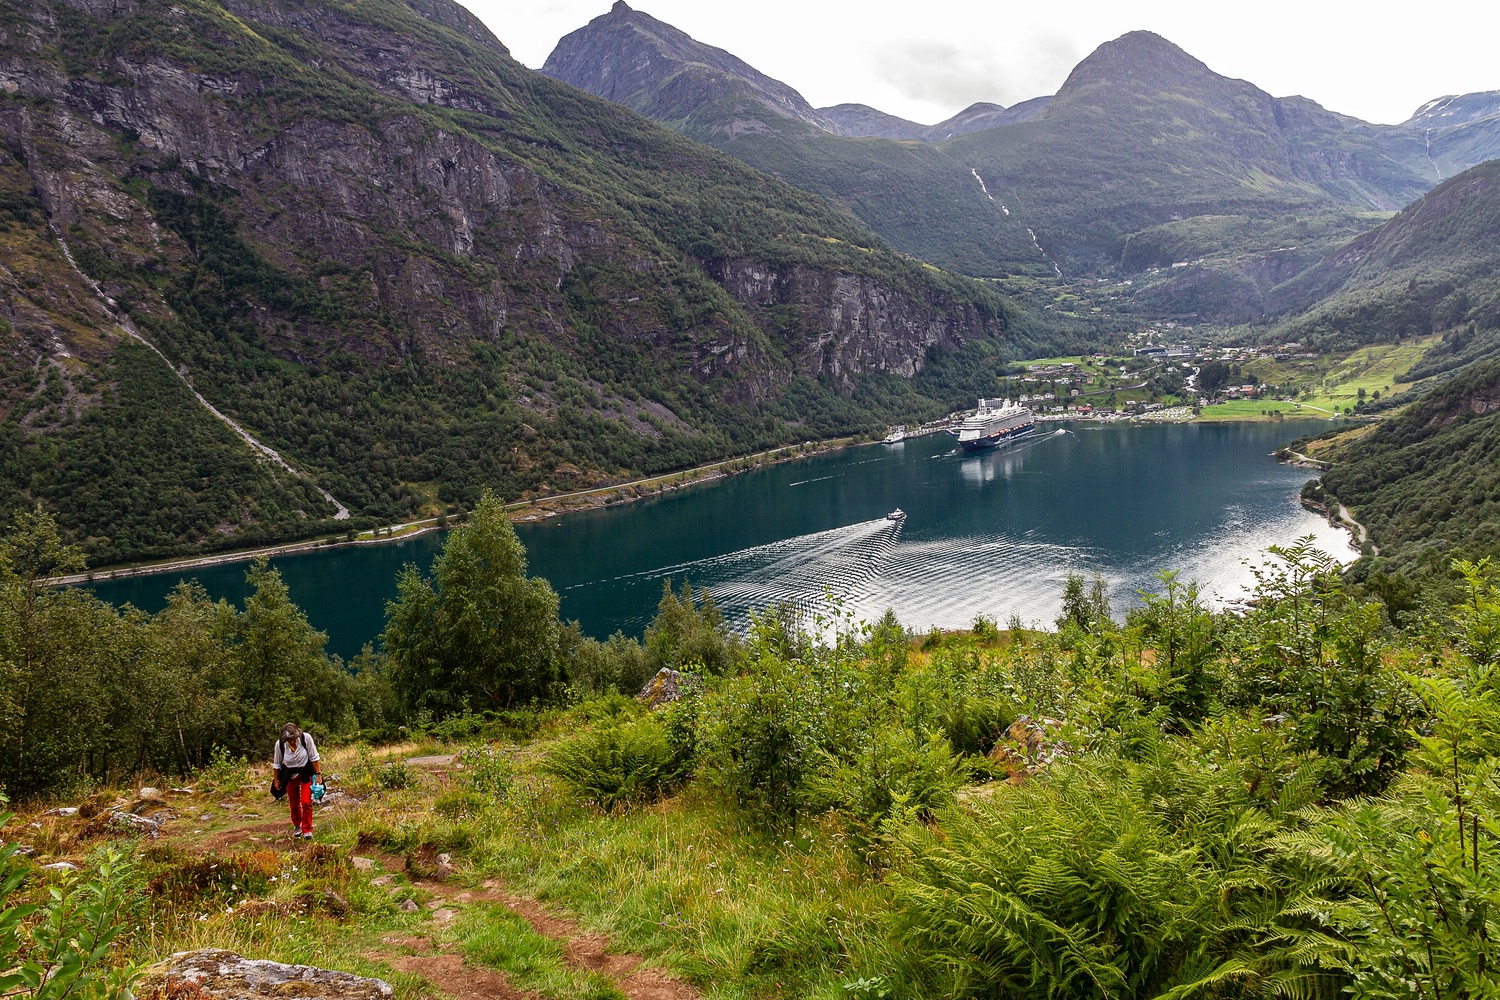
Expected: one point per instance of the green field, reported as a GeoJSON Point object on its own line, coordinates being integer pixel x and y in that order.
{"type": "Point", "coordinates": [1256, 409]}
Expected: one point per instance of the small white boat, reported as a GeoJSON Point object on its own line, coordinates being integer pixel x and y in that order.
{"type": "Point", "coordinates": [897, 434]}
{"type": "Point", "coordinates": [896, 515]}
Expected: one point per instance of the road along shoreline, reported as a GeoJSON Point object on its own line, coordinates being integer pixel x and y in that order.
{"type": "Point", "coordinates": [532, 509]}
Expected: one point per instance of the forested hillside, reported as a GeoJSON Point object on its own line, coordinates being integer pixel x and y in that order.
{"type": "Point", "coordinates": [1426, 482]}
{"type": "Point", "coordinates": [413, 267]}
{"type": "Point", "coordinates": [1435, 267]}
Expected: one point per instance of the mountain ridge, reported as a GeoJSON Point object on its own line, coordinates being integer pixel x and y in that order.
{"type": "Point", "coordinates": [414, 268]}
{"type": "Point", "coordinates": [1142, 135]}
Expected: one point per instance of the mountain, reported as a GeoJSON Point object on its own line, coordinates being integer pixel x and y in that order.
{"type": "Point", "coordinates": [1423, 482]}
{"type": "Point", "coordinates": [1448, 135]}
{"type": "Point", "coordinates": [1434, 267]}
{"type": "Point", "coordinates": [672, 78]}
{"type": "Point", "coordinates": [918, 199]}
{"type": "Point", "coordinates": [410, 266]}
{"type": "Point", "coordinates": [1143, 135]}
{"type": "Point", "coordinates": [863, 121]}
{"type": "Point", "coordinates": [1143, 160]}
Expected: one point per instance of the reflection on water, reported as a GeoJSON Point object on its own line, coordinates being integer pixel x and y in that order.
{"type": "Point", "coordinates": [993, 533]}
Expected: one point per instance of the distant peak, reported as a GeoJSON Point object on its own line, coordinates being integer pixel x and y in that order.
{"type": "Point", "coordinates": [620, 7]}
{"type": "Point", "coordinates": [1133, 57]}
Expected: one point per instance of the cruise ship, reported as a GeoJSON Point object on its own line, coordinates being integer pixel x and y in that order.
{"type": "Point", "coordinates": [996, 422]}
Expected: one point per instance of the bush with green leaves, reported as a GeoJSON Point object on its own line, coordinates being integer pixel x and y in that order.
{"type": "Point", "coordinates": [617, 764]}
{"type": "Point", "coordinates": [760, 737]}
{"type": "Point", "coordinates": [486, 771]}
{"type": "Point", "coordinates": [395, 775]}
{"type": "Point", "coordinates": [61, 947]}
{"type": "Point", "coordinates": [1145, 876]}
{"type": "Point", "coordinates": [894, 778]}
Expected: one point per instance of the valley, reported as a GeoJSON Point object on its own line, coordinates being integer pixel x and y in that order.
{"type": "Point", "coordinates": [523, 435]}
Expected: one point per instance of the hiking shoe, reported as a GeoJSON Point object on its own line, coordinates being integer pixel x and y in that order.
{"type": "Point", "coordinates": [307, 835]}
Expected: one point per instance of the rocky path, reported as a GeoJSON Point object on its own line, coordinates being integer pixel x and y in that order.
{"type": "Point", "coordinates": [430, 884]}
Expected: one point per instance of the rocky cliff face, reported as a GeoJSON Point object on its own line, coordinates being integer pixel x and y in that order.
{"type": "Point", "coordinates": [400, 258]}
{"type": "Point", "coordinates": [860, 325]}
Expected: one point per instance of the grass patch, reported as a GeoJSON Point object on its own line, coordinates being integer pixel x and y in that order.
{"type": "Point", "coordinates": [1256, 409]}
{"type": "Point", "coordinates": [503, 940]}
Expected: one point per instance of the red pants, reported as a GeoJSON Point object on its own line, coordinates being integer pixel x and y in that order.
{"type": "Point", "coordinates": [299, 797]}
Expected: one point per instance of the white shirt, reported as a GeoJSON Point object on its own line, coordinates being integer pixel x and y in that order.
{"type": "Point", "coordinates": [305, 753]}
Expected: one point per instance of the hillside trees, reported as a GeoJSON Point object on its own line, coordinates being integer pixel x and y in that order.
{"type": "Point", "coordinates": [478, 633]}
{"type": "Point", "coordinates": [88, 691]}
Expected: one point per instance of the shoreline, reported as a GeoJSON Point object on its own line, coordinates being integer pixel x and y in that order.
{"type": "Point", "coordinates": [520, 511]}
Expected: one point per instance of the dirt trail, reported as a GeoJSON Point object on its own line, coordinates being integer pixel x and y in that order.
{"type": "Point", "coordinates": [246, 820]}
{"type": "Point", "coordinates": [584, 950]}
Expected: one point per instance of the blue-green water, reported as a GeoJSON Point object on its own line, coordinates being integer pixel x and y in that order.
{"type": "Point", "coordinates": [991, 534]}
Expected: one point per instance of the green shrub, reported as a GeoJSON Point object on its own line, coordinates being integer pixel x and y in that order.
{"type": "Point", "coordinates": [896, 777]}
{"type": "Point", "coordinates": [60, 947]}
{"type": "Point", "coordinates": [225, 774]}
{"type": "Point", "coordinates": [758, 741]}
{"type": "Point", "coordinates": [1146, 878]}
{"type": "Point", "coordinates": [617, 664]}
{"type": "Point", "coordinates": [617, 764]}
{"type": "Point", "coordinates": [394, 775]}
{"type": "Point", "coordinates": [486, 771]}
{"type": "Point", "coordinates": [973, 722]}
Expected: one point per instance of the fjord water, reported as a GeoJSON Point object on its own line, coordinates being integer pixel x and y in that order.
{"type": "Point", "coordinates": [993, 533]}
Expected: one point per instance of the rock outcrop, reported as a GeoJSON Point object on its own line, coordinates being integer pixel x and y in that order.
{"type": "Point", "coordinates": [668, 686]}
{"type": "Point", "coordinates": [223, 975]}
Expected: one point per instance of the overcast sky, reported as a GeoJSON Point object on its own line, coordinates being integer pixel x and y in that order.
{"type": "Point", "coordinates": [926, 59]}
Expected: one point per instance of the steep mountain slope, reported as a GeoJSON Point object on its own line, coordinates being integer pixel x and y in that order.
{"type": "Point", "coordinates": [669, 77]}
{"type": "Point", "coordinates": [1425, 482]}
{"type": "Point", "coordinates": [1448, 135]}
{"type": "Point", "coordinates": [1434, 267]}
{"type": "Point", "coordinates": [1207, 191]}
{"type": "Point", "coordinates": [412, 267]}
{"type": "Point", "coordinates": [911, 194]}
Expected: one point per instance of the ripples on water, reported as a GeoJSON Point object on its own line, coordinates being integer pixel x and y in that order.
{"type": "Point", "coordinates": [937, 573]}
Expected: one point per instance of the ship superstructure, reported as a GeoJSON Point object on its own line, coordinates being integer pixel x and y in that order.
{"type": "Point", "coordinates": [996, 422]}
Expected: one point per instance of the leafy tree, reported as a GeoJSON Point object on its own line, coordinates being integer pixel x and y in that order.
{"type": "Point", "coordinates": [51, 644]}
{"type": "Point", "coordinates": [689, 629]}
{"type": "Point", "coordinates": [1182, 630]}
{"type": "Point", "coordinates": [479, 631]}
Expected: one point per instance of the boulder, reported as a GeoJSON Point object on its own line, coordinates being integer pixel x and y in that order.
{"type": "Point", "coordinates": [1027, 747]}
{"type": "Point", "coordinates": [117, 823]}
{"type": "Point", "coordinates": [223, 975]}
{"type": "Point", "coordinates": [667, 686]}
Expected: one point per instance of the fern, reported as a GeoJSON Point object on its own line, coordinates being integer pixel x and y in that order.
{"type": "Point", "coordinates": [620, 764]}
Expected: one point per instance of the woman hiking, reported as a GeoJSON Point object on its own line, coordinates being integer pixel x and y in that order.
{"type": "Point", "coordinates": [297, 766]}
